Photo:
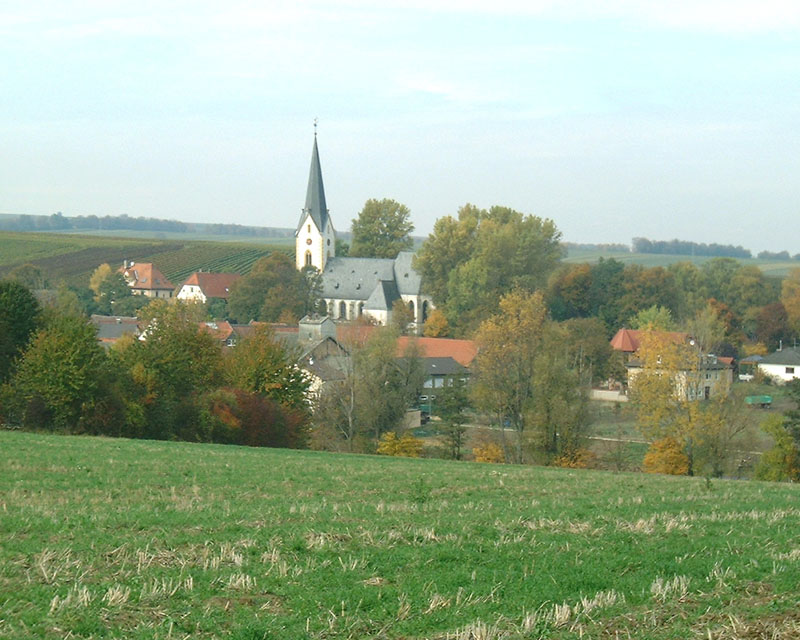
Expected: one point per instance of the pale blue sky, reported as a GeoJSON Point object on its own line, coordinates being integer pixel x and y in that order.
{"type": "Point", "coordinates": [658, 119]}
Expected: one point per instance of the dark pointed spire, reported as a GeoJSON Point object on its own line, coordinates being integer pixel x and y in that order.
{"type": "Point", "coordinates": [315, 195]}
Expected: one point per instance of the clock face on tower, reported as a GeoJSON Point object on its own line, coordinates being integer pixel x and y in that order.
{"type": "Point", "coordinates": [308, 240]}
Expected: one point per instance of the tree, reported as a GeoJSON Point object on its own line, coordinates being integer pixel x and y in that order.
{"type": "Point", "coordinates": [782, 462]}
{"type": "Point", "coordinates": [653, 318]}
{"type": "Point", "coordinates": [373, 392]}
{"type": "Point", "coordinates": [436, 325]}
{"type": "Point", "coordinates": [402, 316]}
{"type": "Point", "coordinates": [668, 396]}
{"type": "Point", "coordinates": [260, 364]}
{"type": "Point", "coordinates": [381, 230]}
{"type": "Point", "coordinates": [273, 288]}
{"type": "Point", "coordinates": [468, 264]}
{"type": "Point", "coordinates": [20, 316]}
{"type": "Point", "coordinates": [509, 344]}
{"type": "Point", "coordinates": [60, 372]}
{"type": "Point", "coordinates": [30, 276]}
{"type": "Point", "coordinates": [790, 298]}
{"type": "Point", "coordinates": [112, 293]}
{"type": "Point", "coordinates": [168, 371]}
{"type": "Point", "coordinates": [452, 400]}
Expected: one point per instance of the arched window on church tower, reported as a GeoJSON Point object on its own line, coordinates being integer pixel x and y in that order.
{"type": "Point", "coordinates": [308, 258]}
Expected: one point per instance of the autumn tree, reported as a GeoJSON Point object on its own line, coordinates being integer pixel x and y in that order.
{"type": "Point", "coordinates": [436, 325]}
{"type": "Point", "coordinates": [509, 344]}
{"type": "Point", "coordinates": [668, 395]}
{"type": "Point", "coordinates": [381, 230]}
{"type": "Point", "coordinates": [790, 298]}
{"type": "Point", "coordinates": [30, 276]}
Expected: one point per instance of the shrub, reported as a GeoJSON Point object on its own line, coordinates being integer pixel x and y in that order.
{"type": "Point", "coordinates": [666, 456]}
{"type": "Point", "coordinates": [406, 447]}
{"type": "Point", "coordinates": [489, 452]}
{"type": "Point", "coordinates": [578, 459]}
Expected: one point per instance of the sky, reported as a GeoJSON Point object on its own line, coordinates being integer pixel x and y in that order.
{"type": "Point", "coordinates": [615, 119]}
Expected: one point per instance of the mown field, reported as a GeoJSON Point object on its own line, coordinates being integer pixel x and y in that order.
{"type": "Point", "coordinates": [136, 539]}
{"type": "Point", "coordinates": [72, 258]}
{"type": "Point", "coordinates": [777, 268]}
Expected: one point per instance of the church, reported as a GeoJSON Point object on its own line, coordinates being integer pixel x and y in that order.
{"type": "Point", "coordinates": [353, 287]}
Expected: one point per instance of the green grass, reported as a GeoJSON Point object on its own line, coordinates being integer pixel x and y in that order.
{"type": "Point", "coordinates": [135, 539]}
{"type": "Point", "coordinates": [778, 268]}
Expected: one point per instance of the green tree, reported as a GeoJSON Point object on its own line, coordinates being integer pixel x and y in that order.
{"type": "Point", "coordinates": [30, 276]}
{"type": "Point", "coordinates": [452, 241]}
{"type": "Point", "coordinates": [452, 401]}
{"type": "Point", "coordinates": [782, 462]}
{"type": "Point", "coordinates": [168, 371]}
{"type": "Point", "coordinates": [112, 294]}
{"type": "Point", "coordinates": [260, 364]}
{"type": "Point", "coordinates": [469, 264]}
{"type": "Point", "coordinates": [653, 318]}
{"type": "Point", "coordinates": [60, 372]}
{"type": "Point", "coordinates": [381, 230]}
{"type": "Point", "coordinates": [20, 315]}
{"type": "Point", "coordinates": [273, 289]}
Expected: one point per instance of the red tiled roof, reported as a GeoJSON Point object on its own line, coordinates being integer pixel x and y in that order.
{"type": "Point", "coordinates": [144, 275]}
{"type": "Point", "coordinates": [462, 351]}
{"type": "Point", "coordinates": [220, 330]}
{"type": "Point", "coordinates": [213, 285]}
{"type": "Point", "coordinates": [628, 340]}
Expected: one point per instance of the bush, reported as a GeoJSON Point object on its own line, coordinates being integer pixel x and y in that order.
{"type": "Point", "coordinates": [406, 447]}
{"type": "Point", "coordinates": [578, 459]}
{"type": "Point", "coordinates": [489, 452]}
{"type": "Point", "coordinates": [666, 456]}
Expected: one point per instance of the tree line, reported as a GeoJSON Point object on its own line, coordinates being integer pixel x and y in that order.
{"type": "Point", "coordinates": [688, 248]}
{"type": "Point", "coordinates": [59, 222]}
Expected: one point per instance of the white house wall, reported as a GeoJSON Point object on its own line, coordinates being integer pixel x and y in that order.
{"type": "Point", "coordinates": [781, 372]}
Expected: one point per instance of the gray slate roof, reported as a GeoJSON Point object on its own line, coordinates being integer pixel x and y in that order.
{"type": "Point", "coordinates": [383, 296]}
{"type": "Point", "coordinates": [315, 195]}
{"type": "Point", "coordinates": [790, 356]}
{"type": "Point", "coordinates": [443, 366]}
{"type": "Point", "coordinates": [357, 278]}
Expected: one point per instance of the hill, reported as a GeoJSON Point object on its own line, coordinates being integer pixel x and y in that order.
{"type": "Point", "coordinates": [778, 268]}
{"type": "Point", "coordinates": [72, 258]}
{"type": "Point", "coordinates": [141, 539]}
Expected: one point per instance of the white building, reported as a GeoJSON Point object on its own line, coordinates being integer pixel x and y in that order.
{"type": "Point", "coordinates": [353, 287]}
{"type": "Point", "coordinates": [783, 365]}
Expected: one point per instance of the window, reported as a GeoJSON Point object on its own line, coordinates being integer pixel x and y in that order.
{"type": "Point", "coordinates": [790, 370]}
{"type": "Point", "coordinates": [308, 228]}
{"type": "Point", "coordinates": [308, 258]}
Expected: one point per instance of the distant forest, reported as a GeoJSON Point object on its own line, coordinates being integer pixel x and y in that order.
{"type": "Point", "coordinates": [60, 222]}
{"type": "Point", "coordinates": [687, 248]}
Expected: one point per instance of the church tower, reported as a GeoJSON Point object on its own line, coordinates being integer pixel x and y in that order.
{"type": "Point", "coordinates": [315, 238]}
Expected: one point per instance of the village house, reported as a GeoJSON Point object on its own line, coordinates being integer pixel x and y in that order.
{"type": "Point", "coordinates": [782, 366]}
{"type": "Point", "coordinates": [145, 279]}
{"type": "Point", "coordinates": [203, 286]}
{"type": "Point", "coordinates": [699, 375]}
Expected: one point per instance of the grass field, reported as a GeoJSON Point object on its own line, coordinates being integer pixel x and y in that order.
{"type": "Point", "coordinates": [136, 539]}
{"type": "Point", "coordinates": [72, 258]}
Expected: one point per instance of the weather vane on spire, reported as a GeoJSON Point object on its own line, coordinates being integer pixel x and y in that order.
{"type": "Point", "coordinates": [315, 127]}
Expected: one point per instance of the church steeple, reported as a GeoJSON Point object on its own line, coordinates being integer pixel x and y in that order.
{"type": "Point", "coordinates": [315, 237]}
{"type": "Point", "coordinates": [316, 206]}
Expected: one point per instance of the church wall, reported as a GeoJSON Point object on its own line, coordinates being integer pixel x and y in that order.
{"type": "Point", "coordinates": [308, 238]}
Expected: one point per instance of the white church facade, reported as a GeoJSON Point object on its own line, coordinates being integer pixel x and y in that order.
{"type": "Point", "coordinates": [353, 287]}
